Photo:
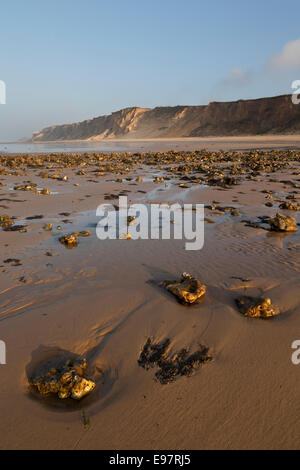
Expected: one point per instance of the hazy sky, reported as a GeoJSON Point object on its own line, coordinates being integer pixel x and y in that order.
{"type": "Point", "coordinates": [69, 60]}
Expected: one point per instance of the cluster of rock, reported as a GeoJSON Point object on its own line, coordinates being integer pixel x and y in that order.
{"type": "Point", "coordinates": [32, 187]}
{"type": "Point", "coordinates": [189, 291]}
{"type": "Point", "coordinates": [290, 206]}
{"type": "Point", "coordinates": [8, 225]}
{"type": "Point", "coordinates": [182, 164]}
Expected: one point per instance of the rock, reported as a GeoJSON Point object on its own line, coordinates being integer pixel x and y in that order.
{"type": "Point", "coordinates": [6, 221]}
{"type": "Point", "coordinates": [209, 221]}
{"type": "Point", "coordinates": [125, 236]}
{"type": "Point", "coordinates": [58, 177]}
{"type": "Point", "coordinates": [131, 220]}
{"type": "Point", "coordinates": [290, 206]}
{"type": "Point", "coordinates": [256, 307]}
{"type": "Point", "coordinates": [282, 223]}
{"type": "Point", "coordinates": [65, 382]}
{"type": "Point", "coordinates": [70, 240]}
{"type": "Point", "coordinates": [188, 290]}
{"type": "Point", "coordinates": [235, 213]}
{"type": "Point", "coordinates": [83, 233]}
{"type": "Point", "coordinates": [44, 191]}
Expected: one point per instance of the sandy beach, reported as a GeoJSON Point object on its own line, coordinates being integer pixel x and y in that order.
{"type": "Point", "coordinates": [262, 142]}
{"type": "Point", "coordinates": [102, 300]}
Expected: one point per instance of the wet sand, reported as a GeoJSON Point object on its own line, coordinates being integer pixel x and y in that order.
{"type": "Point", "coordinates": [156, 145]}
{"type": "Point", "coordinates": [102, 300]}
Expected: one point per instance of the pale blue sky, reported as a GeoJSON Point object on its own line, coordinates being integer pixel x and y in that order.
{"type": "Point", "coordinates": [69, 60]}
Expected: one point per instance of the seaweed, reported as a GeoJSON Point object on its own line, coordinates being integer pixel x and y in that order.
{"type": "Point", "coordinates": [183, 363]}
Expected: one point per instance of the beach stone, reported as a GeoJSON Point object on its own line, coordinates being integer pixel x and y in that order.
{"type": "Point", "coordinates": [83, 233]}
{"type": "Point", "coordinates": [65, 382]}
{"type": "Point", "coordinates": [6, 221]}
{"type": "Point", "coordinates": [282, 223]}
{"type": "Point", "coordinates": [235, 213]}
{"type": "Point", "coordinates": [290, 206]}
{"type": "Point", "coordinates": [256, 307]}
{"type": "Point", "coordinates": [70, 240]}
{"type": "Point", "coordinates": [45, 191]}
{"type": "Point", "coordinates": [188, 290]}
{"type": "Point", "coordinates": [131, 220]}
{"type": "Point", "coordinates": [125, 236]}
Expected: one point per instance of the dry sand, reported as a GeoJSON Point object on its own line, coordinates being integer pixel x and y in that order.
{"type": "Point", "coordinates": [102, 300]}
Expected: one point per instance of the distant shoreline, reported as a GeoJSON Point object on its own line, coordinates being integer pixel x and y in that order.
{"type": "Point", "coordinates": [267, 137]}
{"type": "Point", "coordinates": [180, 144]}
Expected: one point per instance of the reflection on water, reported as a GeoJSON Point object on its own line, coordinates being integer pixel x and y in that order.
{"type": "Point", "coordinates": [30, 147]}
{"type": "Point", "coordinates": [148, 145]}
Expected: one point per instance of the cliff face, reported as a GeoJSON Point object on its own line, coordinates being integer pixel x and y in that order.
{"type": "Point", "coordinates": [276, 115]}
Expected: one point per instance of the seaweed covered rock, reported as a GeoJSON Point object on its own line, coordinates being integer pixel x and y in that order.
{"type": "Point", "coordinates": [283, 223]}
{"type": "Point", "coordinates": [188, 290]}
{"type": "Point", "coordinates": [170, 367]}
{"type": "Point", "coordinates": [256, 307]}
{"type": "Point", "coordinates": [290, 206]}
{"type": "Point", "coordinates": [65, 382]}
{"type": "Point", "coordinates": [6, 221]}
{"type": "Point", "coordinates": [70, 240]}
